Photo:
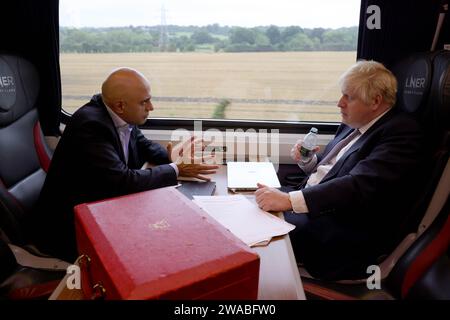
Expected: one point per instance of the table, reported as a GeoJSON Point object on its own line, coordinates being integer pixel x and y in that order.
{"type": "Point", "coordinates": [279, 278]}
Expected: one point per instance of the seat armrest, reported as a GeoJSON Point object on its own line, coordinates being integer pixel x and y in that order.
{"type": "Point", "coordinates": [26, 259]}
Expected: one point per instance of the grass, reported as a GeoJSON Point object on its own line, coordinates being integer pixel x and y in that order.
{"type": "Point", "coordinates": [267, 77]}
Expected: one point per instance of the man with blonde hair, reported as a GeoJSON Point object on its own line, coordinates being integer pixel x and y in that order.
{"type": "Point", "coordinates": [358, 190]}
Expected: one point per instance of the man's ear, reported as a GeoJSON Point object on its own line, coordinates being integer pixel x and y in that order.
{"type": "Point", "coordinates": [118, 106]}
{"type": "Point", "coordinates": [377, 102]}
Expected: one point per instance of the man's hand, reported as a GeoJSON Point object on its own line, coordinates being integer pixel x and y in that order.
{"type": "Point", "coordinates": [295, 151]}
{"type": "Point", "coordinates": [184, 149]}
{"type": "Point", "coordinates": [271, 199]}
{"type": "Point", "coordinates": [196, 170]}
{"type": "Point", "coordinates": [183, 155]}
{"type": "Point", "coordinates": [184, 152]}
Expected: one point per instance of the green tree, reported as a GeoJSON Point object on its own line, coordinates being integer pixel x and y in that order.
{"type": "Point", "coordinates": [342, 39]}
{"type": "Point", "coordinates": [219, 110]}
{"type": "Point", "coordinates": [301, 42]}
{"type": "Point", "coordinates": [262, 43]}
{"type": "Point", "coordinates": [190, 48]}
{"type": "Point", "coordinates": [182, 43]}
{"type": "Point", "coordinates": [316, 33]}
{"type": "Point", "coordinates": [274, 34]}
{"type": "Point", "coordinates": [213, 28]}
{"type": "Point", "coordinates": [242, 36]}
{"type": "Point", "coordinates": [202, 37]}
{"type": "Point", "coordinates": [289, 32]}
{"type": "Point", "coordinates": [220, 46]}
{"type": "Point", "coordinates": [146, 39]}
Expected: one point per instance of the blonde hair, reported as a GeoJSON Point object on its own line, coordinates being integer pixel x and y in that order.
{"type": "Point", "coordinates": [367, 79]}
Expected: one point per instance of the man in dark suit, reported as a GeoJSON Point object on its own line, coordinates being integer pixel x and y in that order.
{"type": "Point", "coordinates": [349, 209]}
{"type": "Point", "coordinates": [100, 155]}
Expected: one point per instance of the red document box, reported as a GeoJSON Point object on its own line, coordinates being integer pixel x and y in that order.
{"type": "Point", "coordinates": [160, 245]}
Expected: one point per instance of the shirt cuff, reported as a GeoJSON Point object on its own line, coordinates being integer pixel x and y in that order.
{"type": "Point", "coordinates": [308, 167]}
{"type": "Point", "coordinates": [298, 202]}
{"type": "Point", "coordinates": [175, 167]}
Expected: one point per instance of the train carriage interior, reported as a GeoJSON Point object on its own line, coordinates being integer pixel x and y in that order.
{"type": "Point", "coordinates": [48, 69]}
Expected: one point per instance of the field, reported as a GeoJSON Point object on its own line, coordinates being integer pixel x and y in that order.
{"type": "Point", "coordinates": [263, 86]}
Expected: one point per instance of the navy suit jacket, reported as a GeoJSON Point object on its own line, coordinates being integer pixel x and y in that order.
{"type": "Point", "coordinates": [355, 212]}
{"type": "Point", "coordinates": [89, 165]}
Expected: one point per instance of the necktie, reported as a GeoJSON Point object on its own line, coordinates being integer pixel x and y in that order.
{"type": "Point", "coordinates": [339, 146]}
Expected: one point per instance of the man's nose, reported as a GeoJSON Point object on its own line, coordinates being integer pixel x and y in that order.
{"type": "Point", "coordinates": [341, 102]}
{"type": "Point", "coordinates": [149, 106]}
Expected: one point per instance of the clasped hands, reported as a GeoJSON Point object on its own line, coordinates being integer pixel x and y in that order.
{"type": "Point", "coordinates": [190, 165]}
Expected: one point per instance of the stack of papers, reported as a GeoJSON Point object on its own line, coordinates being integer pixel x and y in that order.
{"type": "Point", "coordinates": [243, 218]}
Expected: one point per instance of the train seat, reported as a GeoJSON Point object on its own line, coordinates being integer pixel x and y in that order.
{"type": "Point", "coordinates": [24, 159]}
{"type": "Point", "coordinates": [423, 90]}
{"type": "Point", "coordinates": [423, 272]}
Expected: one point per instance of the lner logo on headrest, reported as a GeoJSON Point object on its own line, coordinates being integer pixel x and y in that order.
{"type": "Point", "coordinates": [7, 90]}
{"type": "Point", "coordinates": [415, 82]}
{"type": "Point", "coordinates": [6, 82]}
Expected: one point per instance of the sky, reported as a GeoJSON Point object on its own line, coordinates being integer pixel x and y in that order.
{"type": "Point", "coordinates": [244, 13]}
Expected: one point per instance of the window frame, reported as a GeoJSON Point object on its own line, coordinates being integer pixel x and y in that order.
{"type": "Point", "coordinates": [287, 127]}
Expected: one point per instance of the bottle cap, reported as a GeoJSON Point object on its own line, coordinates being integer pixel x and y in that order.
{"type": "Point", "coordinates": [314, 130]}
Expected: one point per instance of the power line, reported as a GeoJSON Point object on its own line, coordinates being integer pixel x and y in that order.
{"type": "Point", "coordinates": [163, 35]}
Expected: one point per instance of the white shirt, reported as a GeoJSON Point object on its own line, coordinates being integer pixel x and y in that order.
{"type": "Point", "coordinates": [296, 197]}
{"type": "Point", "coordinates": [124, 131]}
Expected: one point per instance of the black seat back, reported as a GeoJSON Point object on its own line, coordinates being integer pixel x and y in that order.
{"type": "Point", "coordinates": [428, 217]}
{"type": "Point", "coordinates": [24, 156]}
{"type": "Point", "coordinates": [424, 92]}
{"type": "Point", "coordinates": [440, 99]}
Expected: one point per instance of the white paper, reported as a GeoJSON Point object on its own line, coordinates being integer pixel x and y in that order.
{"type": "Point", "coordinates": [245, 175]}
{"type": "Point", "coordinates": [243, 218]}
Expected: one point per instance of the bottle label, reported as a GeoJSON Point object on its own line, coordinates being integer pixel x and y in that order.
{"type": "Point", "coordinates": [305, 153]}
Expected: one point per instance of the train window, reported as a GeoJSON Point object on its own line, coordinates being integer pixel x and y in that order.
{"type": "Point", "coordinates": [223, 59]}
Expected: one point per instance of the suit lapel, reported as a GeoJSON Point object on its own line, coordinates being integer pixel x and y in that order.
{"type": "Point", "coordinates": [357, 145]}
{"type": "Point", "coordinates": [338, 165]}
{"type": "Point", "coordinates": [109, 121]}
{"type": "Point", "coordinates": [341, 136]}
{"type": "Point", "coordinates": [132, 151]}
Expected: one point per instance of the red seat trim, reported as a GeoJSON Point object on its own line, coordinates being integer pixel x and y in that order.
{"type": "Point", "coordinates": [44, 158]}
{"type": "Point", "coordinates": [426, 258]}
{"type": "Point", "coordinates": [325, 293]}
{"type": "Point", "coordinates": [37, 291]}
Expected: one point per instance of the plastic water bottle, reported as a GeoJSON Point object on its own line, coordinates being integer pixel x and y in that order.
{"type": "Point", "coordinates": [309, 142]}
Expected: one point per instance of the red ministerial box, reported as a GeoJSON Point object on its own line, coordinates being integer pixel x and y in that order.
{"type": "Point", "coordinates": [160, 245]}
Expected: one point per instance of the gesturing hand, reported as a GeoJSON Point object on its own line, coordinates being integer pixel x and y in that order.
{"type": "Point", "coordinates": [184, 152]}
{"type": "Point", "coordinates": [183, 155]}
{"type": "Point", "coordinates": [196, 170]}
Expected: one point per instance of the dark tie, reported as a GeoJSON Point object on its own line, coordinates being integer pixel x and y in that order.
{"type": "Point", "coordinates": [338, 147]}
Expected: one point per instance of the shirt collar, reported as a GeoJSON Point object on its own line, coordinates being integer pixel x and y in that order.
{"type": "Point", "coordinates": [367, 126]}
{"type": "Point", "coordinates": [119, 123]}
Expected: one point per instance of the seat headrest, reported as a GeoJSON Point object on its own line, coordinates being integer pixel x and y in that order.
{"type": "Point", "coordinates": [440, 89]}
{"type": "Point", "coordinates": [19, 88]}
{"type": "Point", "coordinates": [414, 81]}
